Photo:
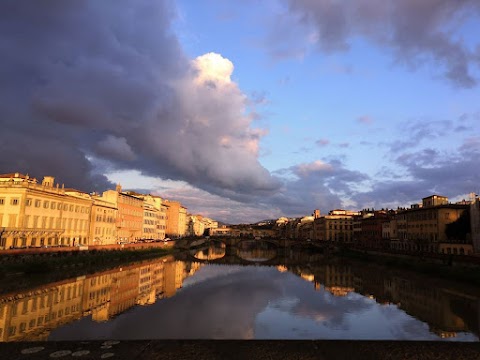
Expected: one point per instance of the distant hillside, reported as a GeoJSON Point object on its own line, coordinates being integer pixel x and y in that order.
{"type": "Point", "coordinates": [266, 222]}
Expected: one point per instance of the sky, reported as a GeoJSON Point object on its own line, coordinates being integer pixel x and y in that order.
{"type": "Point", "coordinates": [249, 110]}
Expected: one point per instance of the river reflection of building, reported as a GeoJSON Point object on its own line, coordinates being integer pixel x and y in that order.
{"type": "Point", "coordinates": [31, 315]}
{"type": "Point", "coordinates": [446, 311]}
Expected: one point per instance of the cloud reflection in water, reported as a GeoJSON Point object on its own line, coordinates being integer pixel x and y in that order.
{"type": "Point", "coordinates": [234, 302]}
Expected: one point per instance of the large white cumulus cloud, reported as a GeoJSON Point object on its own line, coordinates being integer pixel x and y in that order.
{"type": "Point", "coordinates": [107, 80]}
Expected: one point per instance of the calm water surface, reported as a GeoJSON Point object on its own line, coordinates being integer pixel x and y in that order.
{"type": "Point", "coordinates": [257, 293]}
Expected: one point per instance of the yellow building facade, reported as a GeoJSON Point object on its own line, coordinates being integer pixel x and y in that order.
{"type": "Point", "coordinates": [176, 220]}
{"type": "Point", "coordinates": [129, 221]}
{"type": "Point", "coordinates": [46, 214]}
{"type": "Point", "coordinates": [36, 215]}
{"type": "Point", "coordinates": [154, 214]}
{"type": "Point", "coordinates": [337, 228]}
{"type": "Point", "coordinates": [425, 227]}
{"type": "Point", "coordinates": [103, 228]}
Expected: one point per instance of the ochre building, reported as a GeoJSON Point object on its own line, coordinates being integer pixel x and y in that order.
{"type": "Point", "coordinates": [36, 215]}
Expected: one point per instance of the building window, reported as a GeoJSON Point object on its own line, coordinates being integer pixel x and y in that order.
{"type": "Point", "coordinates": [54, 205]}
{"type": "Point", "coordinates": [46, 204]}
{"type": "Point", "coordinates": [14, 201]}
{"type": "Point", "coordinates": [11, 331]}
{"type": "Point", "coordinates": [2, 201]}
{"type": "Point", "coordinates": [28, 202]}
{"type": "Point", "coordinates": [37, 203]}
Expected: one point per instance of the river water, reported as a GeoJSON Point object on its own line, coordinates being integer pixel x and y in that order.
{"type": "Point", "coordinates": [260, 292]}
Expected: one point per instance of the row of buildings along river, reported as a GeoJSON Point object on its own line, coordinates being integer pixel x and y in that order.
{"type": "Point", "coordinates": [433, 226]}
{"type": "Point", "coordinates": [33, 314]}
{"type": "Point", "coordinates": [43, 214]}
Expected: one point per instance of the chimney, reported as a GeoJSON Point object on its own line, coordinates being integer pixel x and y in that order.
{"type": "Point", "coordinates": [48, 181]}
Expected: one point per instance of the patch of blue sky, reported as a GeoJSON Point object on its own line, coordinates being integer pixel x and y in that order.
{"type": "Point", "coordinates": [352, 105]}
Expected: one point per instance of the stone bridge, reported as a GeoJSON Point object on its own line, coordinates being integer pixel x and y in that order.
{"type": "Point", "coordinates": [232, 242]}
{"type": "Point", "coordinates": [230, 251]}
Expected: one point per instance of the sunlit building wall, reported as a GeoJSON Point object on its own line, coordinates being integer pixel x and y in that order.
{"type": "Point", "coordinates": [196, 226]}
{"type": "Point", "coordinates": [423, 228]}
{"type": "Point", "coordinates": [337, 228]}
{"type": "Point", "coordinates": [45, 214]}
{"type": "Point", "coordinates": [79, 218]}
{"type": "Point", "coordinates": [103, 227]}
{"type": "Point", "coordinates": [151, 223]}
{"type": "Point", "coordinates": [434, 200]}
{"type": "Point", "coordinates": [130, 214]}
{"type": "Point", "coordinates": [154, 217]}
{"type": "Point", "coordinates": [209, 223]}
{"type": "Point", "coordinates": [176, 219]}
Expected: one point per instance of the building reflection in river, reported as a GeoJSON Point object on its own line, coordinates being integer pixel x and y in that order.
{"type": "Point", "coordinates": [446, 311]}
{"type": "Point", "coordinates": [31, 315]}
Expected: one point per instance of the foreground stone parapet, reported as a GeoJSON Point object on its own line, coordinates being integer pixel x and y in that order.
{"type": "Point", "coordinates": [241, 349]}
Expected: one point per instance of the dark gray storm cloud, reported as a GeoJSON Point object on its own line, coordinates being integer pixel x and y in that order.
{"type": "Point", "coordinates": [415, 32]}
{"type": "Point", "coordinates": [87, 83]}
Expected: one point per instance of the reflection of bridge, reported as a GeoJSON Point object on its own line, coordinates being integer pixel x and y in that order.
{"type": "Point", "coordinates": [236, 251]}
{"type": "Point", "coordinates": [231, 242]}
